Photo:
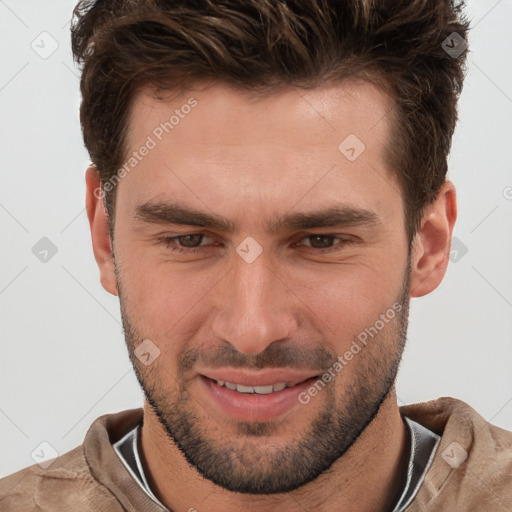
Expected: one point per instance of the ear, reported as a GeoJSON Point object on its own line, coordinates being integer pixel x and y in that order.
{"type": "Point", "coordinates": [431, 244]}
{"type": "Point", "coordinates": [98, 221]}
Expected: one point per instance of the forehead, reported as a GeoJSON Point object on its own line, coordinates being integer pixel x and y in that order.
{"type": "Point", "coordinates": [224, 113]}
{"type": "Point", "coordinates": [219, 145]}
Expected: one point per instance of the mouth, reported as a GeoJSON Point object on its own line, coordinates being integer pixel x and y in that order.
{"type": "Point", "coordinates": [258, 390]}
{"type": "Point", "coordinates": [255, 397]}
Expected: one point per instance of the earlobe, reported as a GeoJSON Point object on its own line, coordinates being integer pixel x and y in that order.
{"type": "Point", "coordinates": [431, 246]}
{"type": "Point", "coordinates": [100, 235]}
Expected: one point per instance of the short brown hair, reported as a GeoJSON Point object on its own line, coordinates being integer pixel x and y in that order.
{"type": "Point", "coordinates": [262, 45]}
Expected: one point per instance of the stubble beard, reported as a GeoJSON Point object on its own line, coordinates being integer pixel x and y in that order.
{"type": "Point", "coordinates": [247, 461]}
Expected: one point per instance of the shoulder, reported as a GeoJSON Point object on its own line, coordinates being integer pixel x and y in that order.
{"type": "Point", "coordinates": [76, 480]}
{"type": "Point", "coordinates": [30, 488]}
{"type": "Point", "coordinates": [87, 478]}
{"type": "Point", "coordinates": [472, 466]}
{"type": "Point", "coordinates": [449, 417]}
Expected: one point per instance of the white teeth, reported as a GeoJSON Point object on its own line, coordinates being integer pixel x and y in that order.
{"type": "Point", "coordinates": [260, 390]}
{"type": "Point", "coordinates": [244, 389]}
{"type": "Point", "coordinates": [263, 390]}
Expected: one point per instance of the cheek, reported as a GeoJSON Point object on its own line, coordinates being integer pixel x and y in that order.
{"type": "Point", "coordinates": [346, 301]}
{"type": "Point", "coordinates": [161, 294]}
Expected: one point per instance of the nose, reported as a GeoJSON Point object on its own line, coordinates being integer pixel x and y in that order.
{"type": "Point", "coordinates": [254, 307]}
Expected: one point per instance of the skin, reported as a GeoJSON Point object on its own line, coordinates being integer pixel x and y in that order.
{"type": "Point", "coordinates": [252, 160]}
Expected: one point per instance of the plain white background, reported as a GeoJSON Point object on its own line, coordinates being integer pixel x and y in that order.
{"type": "Point", "coordinates": [63, 358]}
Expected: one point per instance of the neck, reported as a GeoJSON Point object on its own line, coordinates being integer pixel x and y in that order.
{"type": "Point", "coordinates": [367, 478]}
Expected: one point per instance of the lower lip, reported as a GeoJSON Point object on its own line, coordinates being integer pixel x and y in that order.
{"type": "Point", "coordinates": [252, 407]}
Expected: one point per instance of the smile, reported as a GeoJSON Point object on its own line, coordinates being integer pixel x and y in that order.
{"type": "Point", "coordinates": [260, 390]}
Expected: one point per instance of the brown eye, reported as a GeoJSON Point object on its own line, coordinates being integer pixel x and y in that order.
{"type": "Point", "coordinates": [321, 241]}
{"type": "Point", "coordinates": [190, 240]}
{"type": "Point", "coordinates": [325, 243]}
{"type": "Point", "coordinates": [191, 243]}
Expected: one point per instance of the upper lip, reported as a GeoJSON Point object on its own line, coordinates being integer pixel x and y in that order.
{"type": "Point", "coordinates": [264, 377]}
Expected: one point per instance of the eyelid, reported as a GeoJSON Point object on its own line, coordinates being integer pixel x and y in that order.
{"type": "Point", "coordinates": [171, 242]}
{"type": "Point", "coordinates": [168, 238]}
{"type": "Point", "coordinates": [342, 242]}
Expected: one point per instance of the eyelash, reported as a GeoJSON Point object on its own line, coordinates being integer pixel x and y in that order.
{"type": "Point", "coordinates": [169, 242]}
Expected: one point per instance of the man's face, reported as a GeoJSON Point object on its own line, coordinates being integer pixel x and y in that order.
{"type": "Point", "coordinates": [274, 293]}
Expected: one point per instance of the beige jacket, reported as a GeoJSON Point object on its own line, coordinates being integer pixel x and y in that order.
{"type": "Point", "coordinates": [92, 477]}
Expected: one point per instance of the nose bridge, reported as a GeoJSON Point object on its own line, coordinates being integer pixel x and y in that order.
{"type": "Point", "coordinates": [253, 310]}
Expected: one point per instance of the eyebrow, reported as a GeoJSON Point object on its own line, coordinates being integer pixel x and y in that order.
{"type": "Point", "coordinates": [335, 216]}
